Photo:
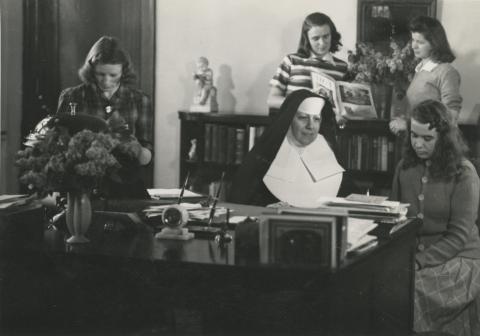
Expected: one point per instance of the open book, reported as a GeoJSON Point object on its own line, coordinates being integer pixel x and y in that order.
{"type": "Point", "coordinates": [349, 100]}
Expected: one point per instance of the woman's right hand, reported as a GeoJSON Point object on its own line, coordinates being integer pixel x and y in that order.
{"type": "Point", "coordinates": [398, 125]}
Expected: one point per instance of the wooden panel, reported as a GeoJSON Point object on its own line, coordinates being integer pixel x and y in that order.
{"type": "Point", "coordinates": [40, 60]}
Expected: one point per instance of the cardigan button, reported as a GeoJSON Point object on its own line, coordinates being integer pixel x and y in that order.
{"type": "Point", "coordinates": [421, 247]}
{"type": "Point", "coordinates": [420, 215]}
{"type": "Point", "coordinates": [421, 197]}
{"type": "Point", "coordinates": [424, 179]}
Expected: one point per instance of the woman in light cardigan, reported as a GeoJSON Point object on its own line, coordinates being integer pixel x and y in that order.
{"type": "Point", "coordinates": [435, 77]}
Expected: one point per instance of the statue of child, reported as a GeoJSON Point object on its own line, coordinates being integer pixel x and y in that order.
{"type": "Point", "coordinates": [204, 80]}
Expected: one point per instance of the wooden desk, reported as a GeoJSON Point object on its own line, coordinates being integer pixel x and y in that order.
{"type": "Point", "coordinates": [130, 280]}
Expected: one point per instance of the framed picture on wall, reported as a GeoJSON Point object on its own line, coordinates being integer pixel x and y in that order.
{"type": "Point", "coordinates": [379, 20]}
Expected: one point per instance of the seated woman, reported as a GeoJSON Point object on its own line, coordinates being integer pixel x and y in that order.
{"type": "Point", "coordinates": [442, 188]}
{"type": "Point", "coordinates": [294, 161]}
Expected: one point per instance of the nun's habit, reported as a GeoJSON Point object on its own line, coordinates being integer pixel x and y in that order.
{"type": "Point", "coordinates": [275, 170]}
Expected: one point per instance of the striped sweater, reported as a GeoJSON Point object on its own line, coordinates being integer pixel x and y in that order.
{"type": "Point", "coordinates": [294, 72]}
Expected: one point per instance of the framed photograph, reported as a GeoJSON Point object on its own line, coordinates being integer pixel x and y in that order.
{"type": "Point", "coordinates": [303, 240]}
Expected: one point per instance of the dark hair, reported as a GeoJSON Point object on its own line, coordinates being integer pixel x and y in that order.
{"type": "Point", "coordinates": [434, 33]}
{"type": "Point", "coordinates": [107, 50]}
{"type": "Point", "coordinates": [313, 20]}
{"type": "Point", "coordinates": [450, 148]}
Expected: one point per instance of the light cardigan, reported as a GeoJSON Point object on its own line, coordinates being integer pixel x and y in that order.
{"type": "Point", "coordinates": [437, 81]}
{"type": "Point", "coordinates": [448, 209]}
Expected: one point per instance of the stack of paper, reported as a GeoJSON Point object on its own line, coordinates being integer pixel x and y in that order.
{"type": "Point", "coordinates": [388, 211]}
{"type": "Point", "coordinates": [357, 233]}
{"type": "Point", "coordinates": [9, 201]}
{"type": "Point", "coordinates": [162, 193]}
{"type": "Point", "coordinates": [195, 211]}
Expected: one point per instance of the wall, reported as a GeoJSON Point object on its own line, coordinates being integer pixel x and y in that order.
{"type": "Point", "coordinates": [245, 40]}
{"type": "Point", "coordinates": [461, 19]}
{"type": "Point", "coordinates": [11, 102]}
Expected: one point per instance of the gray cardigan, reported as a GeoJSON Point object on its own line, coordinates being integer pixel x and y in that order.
{"type": "Point", "coordinates": [448, 209]}
{"type": "Point", "coordinates": [442, 83]}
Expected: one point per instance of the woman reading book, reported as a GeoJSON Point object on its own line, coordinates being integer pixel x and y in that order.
{"type": "Point", "coordinates": [319, 39]}
{"type": "Point", "coordinates": [294, 161]}
{"type": "Point", "coordinates": [442, 188]}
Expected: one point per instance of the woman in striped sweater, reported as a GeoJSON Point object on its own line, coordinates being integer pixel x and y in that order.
{"type": "Point", "coordinates": [318, 41]}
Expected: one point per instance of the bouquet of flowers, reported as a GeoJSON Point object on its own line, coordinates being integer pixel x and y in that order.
{"type": "Point", "coordinates": [62, 161]}
{"type": "Point", "coordinates": [395, 66]}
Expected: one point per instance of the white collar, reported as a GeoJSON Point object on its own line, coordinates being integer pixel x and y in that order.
{"type": "Point", "coordinates": [302, 178]}
{"type": "Point", "coordinates": [427, 65]}
{"type": "Point", "coordinates": [328, 57]}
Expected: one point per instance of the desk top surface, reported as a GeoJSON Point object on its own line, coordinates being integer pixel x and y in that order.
{"type": "Point", "coordinates": [141, 244]}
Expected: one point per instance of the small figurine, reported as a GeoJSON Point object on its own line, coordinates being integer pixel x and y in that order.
{"type": "Point", "coordinates": [192, 152]}
{"type": "Point", "coordinates": [205, 98]}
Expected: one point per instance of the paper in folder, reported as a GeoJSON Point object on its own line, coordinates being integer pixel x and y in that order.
{"type": "Point", "coordinates": [384, 210]}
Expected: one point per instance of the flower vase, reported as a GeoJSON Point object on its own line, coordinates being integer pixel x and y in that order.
{"type": "Point", "coordinates": [79, 216]}
{"type": "Point", "coordinates": [382, 98]}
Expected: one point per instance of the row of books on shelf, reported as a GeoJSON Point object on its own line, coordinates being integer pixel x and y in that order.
{"type": "Point", "coordinates": [367, 152]}
{"type": "Point", "coordinates": [229, 144]}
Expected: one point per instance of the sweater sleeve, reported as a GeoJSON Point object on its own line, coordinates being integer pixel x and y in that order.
{"type": "Point", "coordinates": [144, 124]}
{"type": "Point", "coordinates": [464, 204]}
{"type": "Point", "coordinates": [282, 76]}
{"type": "Point", "coordinates": [63, 101]}
{"type": "Point", "coordinates": [450, 90]}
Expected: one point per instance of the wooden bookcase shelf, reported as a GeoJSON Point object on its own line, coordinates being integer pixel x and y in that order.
{"type": "Point", "coordinates": [368, 150]}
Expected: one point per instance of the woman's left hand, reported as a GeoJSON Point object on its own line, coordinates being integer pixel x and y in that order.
{"type": "Point", "coordinates": [398, 125]}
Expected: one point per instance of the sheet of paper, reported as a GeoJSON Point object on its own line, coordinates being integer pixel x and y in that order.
{"type": "Point", "coordinates": [7, 201]}
{"type": "Point", "coordinates": [357, 232]}
{"type": "Point", "coordinates": [171, 193]}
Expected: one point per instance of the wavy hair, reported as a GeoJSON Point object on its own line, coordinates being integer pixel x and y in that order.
{"type": "Point", "coordinates": [434, 33]}
{"type": "Point", "coordinates": [450, 148]}
{"type": "Point", "coordinates": [314, 20]}
{"type": "Point", "coordinates": [107, 50]}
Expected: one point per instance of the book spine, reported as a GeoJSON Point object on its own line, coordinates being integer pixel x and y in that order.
{"type": "Point", "coordinates": [222, 144]}
{"type": "Point", "coordinates": [384, 155]}
{"type": "Point", "coordinates": [207, 153]}
{"type": "Point", "coordinates": [231, 144]}
{"type": "Point", "coordinates": [215, 143]}
{"type": "Point", "coordinates": [251, 137]}
{"type": "Point", "coordinates": [258, 132]}
{"type": "Point", "coordinates": [240, 145]}
{"type": "Point", "coordinates": [374, 153]}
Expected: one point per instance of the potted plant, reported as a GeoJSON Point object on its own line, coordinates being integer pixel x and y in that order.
{"type": "Point", "coordinates": [388, 72]}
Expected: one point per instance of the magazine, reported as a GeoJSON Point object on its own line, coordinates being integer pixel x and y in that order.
{"type": "Point", "coordinates": [349, 100]}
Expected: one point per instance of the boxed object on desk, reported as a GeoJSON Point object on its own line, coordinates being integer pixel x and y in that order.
{"type": "Point", "coordinates": [304, 237]}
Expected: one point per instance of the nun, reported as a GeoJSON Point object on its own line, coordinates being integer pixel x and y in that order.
{"type": "Point", "coordinates": [295, 160]}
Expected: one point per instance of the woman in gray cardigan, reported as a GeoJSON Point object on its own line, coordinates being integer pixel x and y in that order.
{"type": "Point", "coordinates": [442, 188]}
{"type": "Point", "coordinates": [435, 77]}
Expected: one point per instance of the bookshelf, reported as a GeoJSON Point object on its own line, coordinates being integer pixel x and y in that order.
{"type": "Point", "coordinates": [222, 141]}
{"type": "Point", "coordinates": [368, 150]}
